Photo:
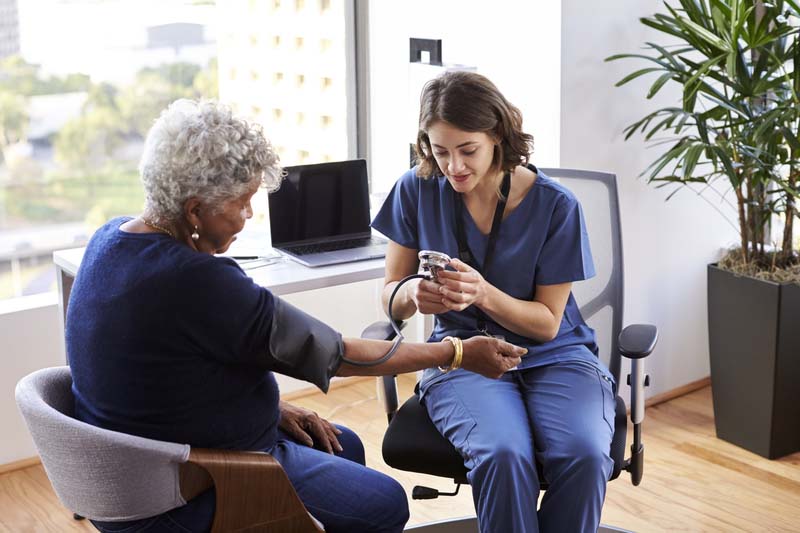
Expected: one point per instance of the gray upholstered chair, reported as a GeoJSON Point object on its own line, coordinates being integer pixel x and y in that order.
{"type": "Point", "coordinates": [111, 476]}
{"type": "Point", "coordinates": [413, 443]}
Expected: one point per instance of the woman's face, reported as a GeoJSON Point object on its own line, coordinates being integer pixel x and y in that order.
{"type": "Point", "coordinates": [463, 156]}
{"type": "Point", "coordinates": [219, 229]}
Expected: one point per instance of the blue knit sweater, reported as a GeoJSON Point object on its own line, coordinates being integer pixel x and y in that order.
{"type": "Point", "coordinates": [171, 344]}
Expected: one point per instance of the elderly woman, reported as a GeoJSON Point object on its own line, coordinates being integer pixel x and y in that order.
{"type": "Point", "coordinates": [168, 341]}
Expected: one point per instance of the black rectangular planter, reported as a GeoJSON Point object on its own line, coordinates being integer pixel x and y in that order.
{"type": "Point", "coordinates": [754, 343]}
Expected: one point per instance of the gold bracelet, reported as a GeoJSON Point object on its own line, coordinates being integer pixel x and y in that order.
{"type": "Point", "coordinates": [458, 354]}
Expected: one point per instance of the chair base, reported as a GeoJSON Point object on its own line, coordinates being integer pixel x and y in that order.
{"type": "Point", "coordinates": [469, 524]}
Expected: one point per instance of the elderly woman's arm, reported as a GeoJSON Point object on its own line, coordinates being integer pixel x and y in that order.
{"type": "Point", "coordinates": [485, 355]}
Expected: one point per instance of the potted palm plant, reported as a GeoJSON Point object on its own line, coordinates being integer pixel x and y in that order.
{"type": "Point", "coordinates": [734, 138]}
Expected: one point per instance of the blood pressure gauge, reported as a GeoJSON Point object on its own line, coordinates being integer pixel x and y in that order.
{"type": "Point", "coordinates": [433, 262]}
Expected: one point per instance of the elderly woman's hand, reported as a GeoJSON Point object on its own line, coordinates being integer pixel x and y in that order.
{"type": "Point", "coordinates": [309, 428]}
{"type": "Point", "coordinates": [489, 356]}
{"type": "Point", "coordinates": [461, 288]}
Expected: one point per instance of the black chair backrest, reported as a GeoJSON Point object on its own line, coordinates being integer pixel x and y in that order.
{"type": "Point", "coordinates": [601, 298]}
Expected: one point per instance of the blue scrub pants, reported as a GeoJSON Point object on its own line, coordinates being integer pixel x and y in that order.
{"type": "Point", "coordinates": [561, 415]}
{"type": "Point", "coordinates": [338, 490]}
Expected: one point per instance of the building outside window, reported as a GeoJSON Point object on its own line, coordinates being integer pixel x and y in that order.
{"type": "Point", "coordinates": [306, 121]}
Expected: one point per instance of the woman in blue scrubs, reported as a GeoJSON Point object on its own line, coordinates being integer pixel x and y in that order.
{"type": "Point", "coordinates": [519, 241]}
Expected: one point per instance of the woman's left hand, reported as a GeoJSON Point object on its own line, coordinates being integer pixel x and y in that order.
{"type": "Point", "coordinates": [461, 288]}
{"type": "Point", "coordinates": [308, 427]}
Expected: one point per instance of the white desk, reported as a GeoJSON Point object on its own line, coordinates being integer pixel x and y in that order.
{"type": "Point", "coordinates": [282, 277]}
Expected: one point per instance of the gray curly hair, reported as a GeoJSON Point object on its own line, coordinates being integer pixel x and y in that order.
{"type": "Point", "coordinates": [199, 149]}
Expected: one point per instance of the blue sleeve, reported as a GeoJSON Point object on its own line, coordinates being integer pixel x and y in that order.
{"type": "Point", "coordinates": [565, 255]}
{"type": "Point", "coordinates": [397, 218]}
{"type": "Point", "coordinates": [236, 321]}
{"type": "Point", "coordinates": [227, 314]}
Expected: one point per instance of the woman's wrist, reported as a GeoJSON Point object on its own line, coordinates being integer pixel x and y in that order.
{"type": "Point", "coordinates": [402, 305]}
{"type": "Point", "coordinates": [483, 299]}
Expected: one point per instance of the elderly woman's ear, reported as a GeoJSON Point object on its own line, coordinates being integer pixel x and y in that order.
{"type": "Point", "coordinates": [191, 211]}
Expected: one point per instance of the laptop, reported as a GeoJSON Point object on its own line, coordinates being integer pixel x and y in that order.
{"type": "Point", "coordinates": [320, 215]}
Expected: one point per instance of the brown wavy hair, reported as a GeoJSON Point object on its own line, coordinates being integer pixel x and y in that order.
{"type": "Point", "coordinates": [470, 102]}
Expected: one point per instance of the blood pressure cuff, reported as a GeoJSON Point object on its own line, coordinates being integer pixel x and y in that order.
{"type": "Point", "coordinates": [303, 347]}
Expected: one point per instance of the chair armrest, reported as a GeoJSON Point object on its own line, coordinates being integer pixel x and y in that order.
{"type": "Point", "coordinates": [638, 340]}
{"type": "Point", "coordinates": [381, 330]}
{"type": "Point", "coordinates": [387, 385]}
{"type": "Point", "coordinates": [253, 491]}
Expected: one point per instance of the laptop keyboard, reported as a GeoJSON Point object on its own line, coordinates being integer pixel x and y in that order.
{"type": "Point", "coordinates": [335, 245]}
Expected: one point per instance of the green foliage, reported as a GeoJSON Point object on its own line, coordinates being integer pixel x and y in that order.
{"type": "Point", "coordinates": [114, 189]}
{"type": "Point", "coordinates": [94, 179]}
{"type": "Point", "coordinates": [206, 83]}
{"type": "Point", "coordinates": [13, 117]}
{"type": "Point", "coordinates": [89, 140]}
{"type": "Point", "coordinates": [738, 65]}
{"type": "Point", "coordinates": [180, 74]}
{"type": "Point", "coordinates": [21, 77]}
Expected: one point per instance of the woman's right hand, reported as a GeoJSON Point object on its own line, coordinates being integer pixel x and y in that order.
{"type": "Point", "coordinates": [426, 296]}
{"type": "Point", "coordinates": [489, 356]}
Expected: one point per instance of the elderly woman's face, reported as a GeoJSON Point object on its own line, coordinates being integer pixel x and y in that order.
{"type": "Point", "coordinates": [220, 229]}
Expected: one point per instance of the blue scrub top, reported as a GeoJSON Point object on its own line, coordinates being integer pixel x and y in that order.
{"type": "Point", "coordinates": [542, 242]}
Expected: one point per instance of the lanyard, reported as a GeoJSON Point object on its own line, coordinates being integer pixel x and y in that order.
{"type": "Point", "coordinates": [464, 252]}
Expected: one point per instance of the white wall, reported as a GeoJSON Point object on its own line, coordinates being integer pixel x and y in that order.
{"type": "Point", "coordinates": [667, 244]}
{"type": "Point", "coordinates": [31, 338]}
{"type": "Point", "coordinates": [513, 43]}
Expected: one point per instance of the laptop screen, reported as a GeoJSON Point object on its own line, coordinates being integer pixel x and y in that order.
{"type": "Point", "coordinates": [320, 202]}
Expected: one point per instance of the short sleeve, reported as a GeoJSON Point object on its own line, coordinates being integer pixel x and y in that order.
{"type": "Point", "coordinates": [565, 255]}
{"type": "Point", "coordinates": [397, 217]}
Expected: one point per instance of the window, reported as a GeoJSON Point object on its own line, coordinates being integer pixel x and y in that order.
{"type": "Point", "coordinates": [74, 115]}
{"type": "Point", "coordinates": [77, 99]}
{"type": "Point", "coordinates": [295, 97]}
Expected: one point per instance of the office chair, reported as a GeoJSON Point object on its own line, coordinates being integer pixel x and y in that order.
{"type": "Point", "coordinates": [413, 443]}
{"type": "Point", "coordinates": [111, 476]}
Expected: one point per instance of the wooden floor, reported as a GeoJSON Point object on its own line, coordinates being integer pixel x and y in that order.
{"type": "Point", "coordinates": [693, 481]}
